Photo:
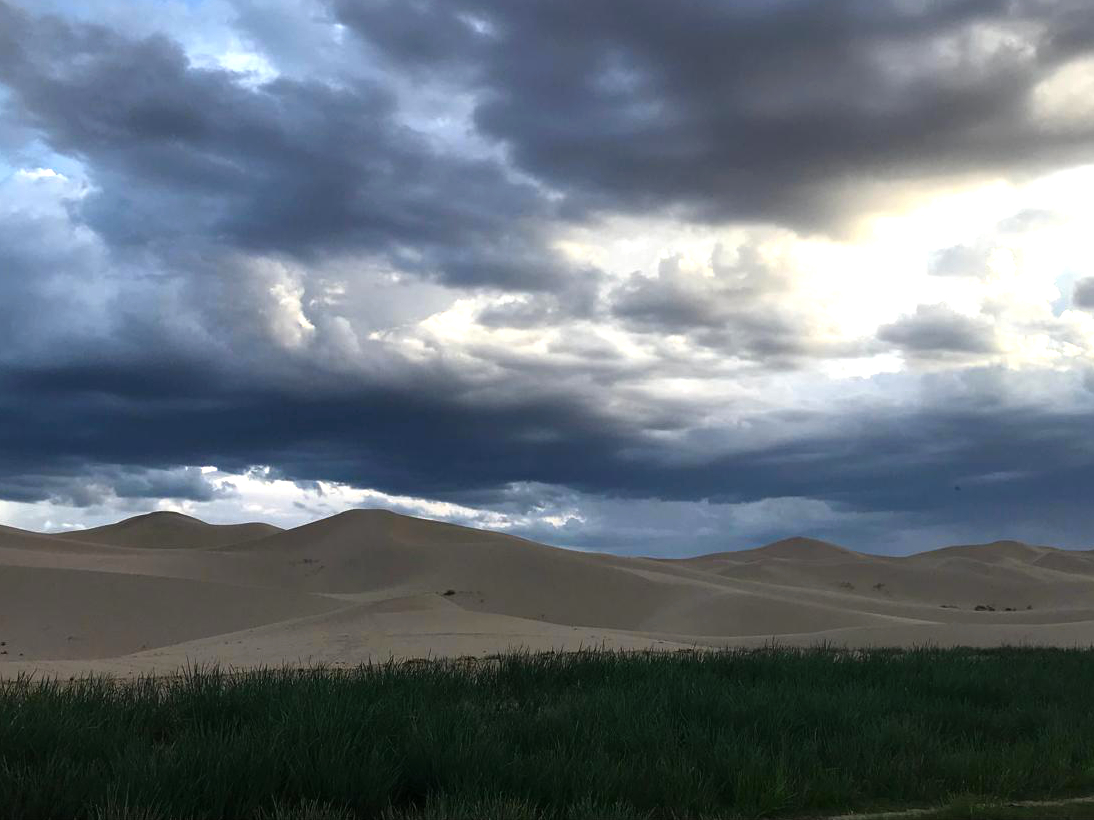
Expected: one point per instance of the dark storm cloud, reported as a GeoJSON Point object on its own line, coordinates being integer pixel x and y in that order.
{"type": "Point", "coordinates": [1083, 296]}
{"type": "Point", "coordinates": [1007, 455]}
{"type": "Point", "coordinates": [936, 330]}
{"type": "Point", "coordinates": [26, 252]}
{"type": "Point", "coordinates": [79, 484]}
{"type": "Point", "coordinates": [779, 111]}
{"type": "Point", "coordinates": [185, 483]}
{"type": "Point", "coordinates": [183, 155]}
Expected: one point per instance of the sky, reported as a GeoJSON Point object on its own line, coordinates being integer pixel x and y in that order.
{"type": "Point", "coordinates": [645, 277]}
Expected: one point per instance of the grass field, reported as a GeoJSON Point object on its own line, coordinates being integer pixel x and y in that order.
{"type": "Point", "coordinates": [735, 734]}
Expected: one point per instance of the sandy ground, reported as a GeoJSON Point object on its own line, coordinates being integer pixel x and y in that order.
{"type": "Point", "coordinates": [157, 592]}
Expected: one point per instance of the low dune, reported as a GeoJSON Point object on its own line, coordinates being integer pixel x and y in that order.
{"type": "Point", "coordinates": [170, 530]}
{"type": "Point", "coordinates": [797, 549]}
{"type": "Point", "coordinates": [162, 590]}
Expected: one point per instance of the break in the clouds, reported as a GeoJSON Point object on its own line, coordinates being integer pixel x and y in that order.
{"type": "Point", "coordinates": [660, 279]}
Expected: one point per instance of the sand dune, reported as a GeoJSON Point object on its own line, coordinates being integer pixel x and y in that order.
{"type": "Point", "coordinates": [170, 530]}
{"type": "Point", "coordinates": [157, 591]}
{"type": "Point", "coordinates": [798, 549]}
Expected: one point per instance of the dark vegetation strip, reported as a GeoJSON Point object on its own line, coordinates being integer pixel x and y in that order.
{"type": "Point", "coordinates": [775, 732]}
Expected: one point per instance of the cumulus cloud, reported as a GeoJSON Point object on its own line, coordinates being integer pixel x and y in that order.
{"type": "Point", "coordinates": [186, 483]}
{"type": "Point", "coordinates": [936, 330]}
{"type": "Point", "coordinates": [743, 304]}
{"type": "Point", "coordinates": [77, 484]}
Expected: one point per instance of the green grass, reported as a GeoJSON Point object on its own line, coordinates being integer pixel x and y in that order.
{"type": "Point", "coordinates": [734, 734]}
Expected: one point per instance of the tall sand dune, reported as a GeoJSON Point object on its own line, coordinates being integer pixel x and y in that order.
{"type": "Point", "coordinates": [157, 591]}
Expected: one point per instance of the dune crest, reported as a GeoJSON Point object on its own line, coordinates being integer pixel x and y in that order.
{"type": "Point", "coordinates": [159, 590]}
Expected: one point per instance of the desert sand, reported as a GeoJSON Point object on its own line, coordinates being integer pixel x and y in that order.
{"type": "Point", "coordinates": [161, 591]}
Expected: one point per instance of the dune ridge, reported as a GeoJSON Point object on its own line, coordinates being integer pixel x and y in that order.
{"type": "Point", "coordinates": [170, 530]}
{"type": "Point", "coordinates": [156, 591]}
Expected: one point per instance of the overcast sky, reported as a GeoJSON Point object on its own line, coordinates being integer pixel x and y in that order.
{"type": "Point", "coordinates": [648, 277]}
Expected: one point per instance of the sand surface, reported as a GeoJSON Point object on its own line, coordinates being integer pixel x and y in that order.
{"type": "Point", "coordinates": [160, 591]}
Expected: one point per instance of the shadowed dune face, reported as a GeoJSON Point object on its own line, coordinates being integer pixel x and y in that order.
{"type": "Point", "coordinates": [158, 590]}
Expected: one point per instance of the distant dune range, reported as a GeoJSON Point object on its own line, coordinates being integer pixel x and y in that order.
{"type": "Point", "coordinates": [162, 590]}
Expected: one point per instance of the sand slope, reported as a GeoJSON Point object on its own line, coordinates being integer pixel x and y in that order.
{"type": "Point", "coordinates": [157, 591]}
{"type": "Point", "coordinates": [60, 613]}
{"type": "Point", "coordinates": [16, 539]}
